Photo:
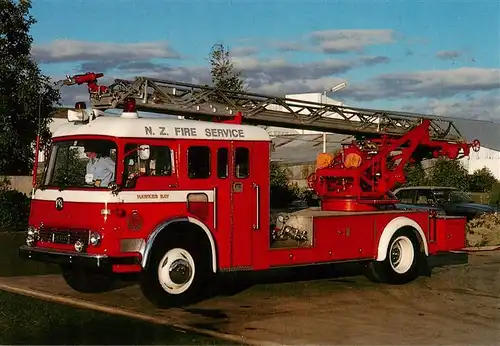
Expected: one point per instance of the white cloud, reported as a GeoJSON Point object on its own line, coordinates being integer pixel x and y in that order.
{"type": "Point", "coordinates": [243, 51]}
{"type": "Point", "coordinates": [298, 86]}
{"type": "Point", "coordinates": [436, 84]}
{"type": "Point", "coordinates": [448, 54]}
{"type": "Point", "coordinates": [351, 40]}
{"type": "Point", "coordinates": [484, 106]}
{"type": "Point", "coordinates": [63, 50]}
{"type": "Point", "coordinates": [273, 76]}
{"type": "Point", "coordinates": [279, 77]}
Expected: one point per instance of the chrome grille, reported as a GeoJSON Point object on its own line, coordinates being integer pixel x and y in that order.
{"type": "Point", "coordinates": [64, 236]}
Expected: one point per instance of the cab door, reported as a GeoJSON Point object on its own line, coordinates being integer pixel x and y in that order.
{"type": "Point", "coordinates": [223, 205]}
{"type": "Point", "coordinates": [245, 200]}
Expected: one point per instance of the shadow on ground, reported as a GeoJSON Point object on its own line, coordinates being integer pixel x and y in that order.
{"type": "Point", "coordinates": [230, 284]}
{"type": "Point", "coordinates": [234, 283]}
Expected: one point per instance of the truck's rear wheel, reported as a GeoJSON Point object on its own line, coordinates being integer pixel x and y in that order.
{"type": "Point", "coordinates": [85, 280]}
{"type": "Point", "coordinates": [402, 261]}
{"type": "Point", "coordinates": [176, 274]}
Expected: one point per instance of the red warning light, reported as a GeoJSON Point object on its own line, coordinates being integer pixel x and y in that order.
{"type": "Point", "coordinates": [129, 105]}
{"type": "Point", "coordinates": [80, 105]}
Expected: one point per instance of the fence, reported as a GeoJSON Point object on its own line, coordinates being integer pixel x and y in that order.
{"type": "Point", "coordinates": [22, 183]}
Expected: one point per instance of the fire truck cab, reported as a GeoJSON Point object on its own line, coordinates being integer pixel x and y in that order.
{"type": "Point", "coordinates": [176, 198]}
{"type": "Point", "coordinates": [178, 201]}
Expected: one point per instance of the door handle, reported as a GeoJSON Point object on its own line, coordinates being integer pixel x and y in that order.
{"type": "Point", "coordinates": [238, 186]}
{"type": "Point", "coordinates": [215, 208]}
{"type": "Point", "coordinates": [256, 226]}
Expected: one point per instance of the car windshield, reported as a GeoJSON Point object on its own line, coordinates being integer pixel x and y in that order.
{"type": "Point", "coordinates": [451, 195]}
{"type": "Point", "coordinates": [81, 163]}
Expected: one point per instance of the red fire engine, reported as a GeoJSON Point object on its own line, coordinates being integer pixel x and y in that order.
{"type": "Point", "coordinates": [178, 201]}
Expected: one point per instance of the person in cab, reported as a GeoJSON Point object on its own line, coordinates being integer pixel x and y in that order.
{"type": "Point", "coordinates": [100, 167]}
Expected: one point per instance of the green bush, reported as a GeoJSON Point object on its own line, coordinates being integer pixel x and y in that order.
{"type": "Point", "coordinates": [306, 195]}
{"type": "Point", "coordinates": [482, 180]}
{"type": "Point", "coordinates": [14, 207]}
{"type": "Point", "coordinates": [281, 193]}
{"type": "Point", "coordinates": [415, 175]}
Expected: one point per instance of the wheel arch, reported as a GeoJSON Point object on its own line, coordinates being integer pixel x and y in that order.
{"type": "Point", "coordinates": [169, 225]}
{"type": "Point", "coordinates": [395, 225]}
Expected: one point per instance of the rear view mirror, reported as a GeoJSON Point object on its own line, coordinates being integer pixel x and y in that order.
{"type": "Point", "coordinates": [144, 152]}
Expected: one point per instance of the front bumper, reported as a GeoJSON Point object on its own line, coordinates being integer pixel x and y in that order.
{"type": "Point", "coordinates": [74, 258]}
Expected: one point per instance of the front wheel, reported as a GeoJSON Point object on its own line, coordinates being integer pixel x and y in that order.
{"type": "Point", "coordinates": [402, 262]}
{"type": "Point", "coordinates": [175, 275]}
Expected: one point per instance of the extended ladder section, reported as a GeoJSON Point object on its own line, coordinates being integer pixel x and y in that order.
{"type": "Point", "coordinates": [198, 101]}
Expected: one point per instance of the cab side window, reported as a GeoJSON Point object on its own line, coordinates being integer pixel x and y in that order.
{"type": "Point", "coordinates": [222, 163]}
{"type": "Point", "coordinates": [199, 162]}
{"type": "Point", "coordinates": [159, 162]}
{"type": "Point", "coordinates": [242, 163]}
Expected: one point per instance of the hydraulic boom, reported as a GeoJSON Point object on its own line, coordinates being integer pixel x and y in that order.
{"type": "Point", "coordinates": [358, 178]}
{"type": "Point", "coordinates": [191, 100]}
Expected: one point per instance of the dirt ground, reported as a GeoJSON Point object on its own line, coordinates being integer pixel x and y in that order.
{"type": "Point", "coordinates": [458, 304]}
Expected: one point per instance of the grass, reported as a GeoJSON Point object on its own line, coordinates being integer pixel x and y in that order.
{"type": "Point", "coordinates": [25, 320]}
{"type": "Point", "coordinates": [10, 262]}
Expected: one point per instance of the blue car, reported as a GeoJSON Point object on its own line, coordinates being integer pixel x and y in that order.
{"type": "Point", "coordinates": [446, 200]}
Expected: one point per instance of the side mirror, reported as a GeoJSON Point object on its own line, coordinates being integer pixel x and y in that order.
{"type": "Point", "coordinates": [144, 152]}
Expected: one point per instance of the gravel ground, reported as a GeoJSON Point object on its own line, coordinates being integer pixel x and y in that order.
{"type": "Point", "coordinates": [458, 304]}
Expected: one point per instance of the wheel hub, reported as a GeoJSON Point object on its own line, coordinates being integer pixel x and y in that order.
{"type": "Point", "coordinates": [180, 271]}
{"type": "Point", "coordinates": [395, 254]}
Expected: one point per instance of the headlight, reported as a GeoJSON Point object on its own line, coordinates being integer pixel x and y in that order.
{"type": "Point", "coordinates": [79, 245]}
{"type": "Point", "coordinates": [32, 236]}
{"type": "Point", "coordinates": [95, 238]}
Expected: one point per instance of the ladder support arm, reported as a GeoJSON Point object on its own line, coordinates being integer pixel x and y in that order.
{"type": "Point", "coordinates": [192, 100]}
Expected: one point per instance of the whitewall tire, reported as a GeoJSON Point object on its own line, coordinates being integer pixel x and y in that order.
{"type": "Point", "coordinates": [177, 273]}
{"type": "Point", "coordinates": [403, 260]}
{"type": "Point", "coordinates": [401, 255]}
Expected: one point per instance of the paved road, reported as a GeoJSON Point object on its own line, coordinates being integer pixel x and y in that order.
{"type": "Point", "coordinates": [456, 305]}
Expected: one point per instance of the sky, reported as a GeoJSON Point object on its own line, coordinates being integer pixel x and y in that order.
{"type": "Point", "coordinates": [437, 57]}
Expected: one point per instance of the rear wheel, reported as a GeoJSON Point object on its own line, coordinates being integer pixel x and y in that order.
{"type": "Point", "coordinates": [402, 262]}
{"type": "Point", "coordinates": [176, 274]}
{"type": "Point", "coordinates": [86, 280]}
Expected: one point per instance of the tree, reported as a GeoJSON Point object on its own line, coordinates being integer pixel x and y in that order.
{"type": "Point", "coordinates": [24, 90]}
{"type": "Point", "coordinates": [449, 173]}
{"type": "Point", "coordinates": [224, 75]}
{"type": "Point", "coordinates": [280, 191]}
{"type": "Point", "coordinates": [69, 169]}
{"type": "Point", "coordinates": [481, 180]}
{"type": "Point", "coordinates": [415, 175]}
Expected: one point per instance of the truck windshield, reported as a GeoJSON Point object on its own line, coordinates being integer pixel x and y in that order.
{"type": "Point", "coordinates": [81, 163]}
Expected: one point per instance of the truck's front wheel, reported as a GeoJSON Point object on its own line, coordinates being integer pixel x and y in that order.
{"type": "Point", "coordinates": [175, 275]}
